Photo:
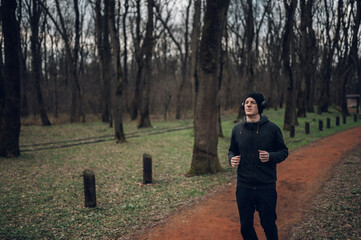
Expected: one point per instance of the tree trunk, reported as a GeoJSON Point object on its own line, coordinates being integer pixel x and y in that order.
{"type": "Point", "coordinates": [140, 64]}
{"type": "Point", "coordinates": [196, 32]}
{"type": "Point", "coordinates": [351, 61]}
{"type": "Point", "coordinates": [70, 59]}
{"type": "Point", "coordinates": [24, 109]}
{"type": "Point", "coordinates": [125, 53]}
{"type": "Point", "coordinates": [104, 57]}
{"type": "Point", "coordinates": [35, 14]}
{"type": "Point", "coordinates": [273, 41]}
{"type": "Point", "coordinates": [77, 99]}
{"type": "Point", "coordinates": [302, 94]}
{"type": "Point", "coordinates": [179, 103]}
{"type": "Point", "coordinates": [117, 69]}
{"type": "Point", "coordinates": [220, 79]}
{"type": "Point", "coordinates": [205, 154]}
{"type": "Point", "coordinates": [312, 57]}
{"type": "Point", "coordinates": [10, 126]}
{"type": "Point", "coordinates": [2, 85]}
{"type": "Point", "coordinates": [147, 50]}
{"type": "Point", "coordinates": [54, 75]}
{"type": "Point", "coordinates": [290, 113]}
{"type": "Point", "coordinates": [249, 38]}
{"type": "Point", "coordinates": [327, 61]}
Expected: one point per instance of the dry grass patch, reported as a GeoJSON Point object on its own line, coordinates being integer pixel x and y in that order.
{"type": "Point", "coordinates": [335, 212]}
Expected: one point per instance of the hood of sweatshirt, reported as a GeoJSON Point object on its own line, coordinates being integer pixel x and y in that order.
{"type": "Point", "coordinates": [262, 121]}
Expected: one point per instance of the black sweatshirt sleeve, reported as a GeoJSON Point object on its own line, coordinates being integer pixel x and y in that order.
{"type": "Point", "coordinates": [282, 151]}
{"type": "Point", "coordinates": [233, 148]}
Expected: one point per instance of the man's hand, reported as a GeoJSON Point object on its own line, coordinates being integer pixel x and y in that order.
{"type": "Point", "coordinates": [235, 161]}
{"type": "Point", "coordinates": [263, 156]}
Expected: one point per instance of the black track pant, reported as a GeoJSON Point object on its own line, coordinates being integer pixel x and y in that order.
{"type": "Point", "coordinates": [262, 200]}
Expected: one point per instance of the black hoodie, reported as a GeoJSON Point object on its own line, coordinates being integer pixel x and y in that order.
{"type": "Point", "coordinates": [247, 139]}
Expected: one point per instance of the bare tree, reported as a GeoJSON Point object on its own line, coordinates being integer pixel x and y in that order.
{"type": "Point", "coordinates": [146, 74]}
{"type": "Point", "coordinates": [307, 55]}
{"type": "Point", "coordinates": [139, 61]}
{"type": "Point", "coordinates": [273, 56]}
{"type": "Point", "coordinates": [237, 52]}
{"type": "Point", "coordinates": [351, 56]}
{"type": "Point", "coordinates": [185, 62]}
{"type": "Point", "coordinates": [312, 56]}
{"type": "Point", "coordinates": [2, 83]}
{"type": "Point", "coordinates": [76, 90]}
{"type": "Point", "coordinates": [35, 12]}
{"type": "Point", "coordinates": [71, 54]}
{"type": "Point", "coordinates": [250, 44]}
{"type": "Point", "coordinates": [358, 62]}
{"type": "Point", "coordinates": [23, 50]}
{"type": "Point", "coordinates": [320, 58]}
{"type": "Point", "coordinates": [205, 156]}
{"type": "Point", "coordinates": [228, 72]}
{"type": "Point", "coordinates": [54, 72]}
{"type": "Point", "coordinates": [249, 40]}
{"type": "Point", "coordinates": [117, 73]}
{"type": "Point", "coordinates": [329, 48]}
{"type": "Point", "coordinates": [104, 55]}
{"type": "Point", "coordinates": [125, 52]}
{"type": "Point", "coordinates": [290, 113]}
{"type": "Point", "coordinates": [184, 54]}
{"type": "Point", "coordinates": [195, 36]}
{"type": "Point", "coordinates": [10, 124]}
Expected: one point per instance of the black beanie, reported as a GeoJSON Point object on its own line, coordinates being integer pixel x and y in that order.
{"type": "Point", "coordinates": [261, 101]}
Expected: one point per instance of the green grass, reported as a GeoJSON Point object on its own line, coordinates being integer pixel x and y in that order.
{"type": "Point", "coordinates": [41, 192]}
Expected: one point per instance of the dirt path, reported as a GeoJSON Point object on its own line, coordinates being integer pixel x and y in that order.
{"type": "Point", "coordinates": [299, 178]}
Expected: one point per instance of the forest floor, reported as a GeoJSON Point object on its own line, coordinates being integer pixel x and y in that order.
{"type": "Point", "coordinates": [301, 179]}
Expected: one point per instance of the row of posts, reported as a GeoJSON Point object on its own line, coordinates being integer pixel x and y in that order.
{"type": "Point", "coordinates": [89, 181]}
{"type": "Point", "coordinates": [320, 124]}
{"type": "Point", "coordinates": [89, 176]}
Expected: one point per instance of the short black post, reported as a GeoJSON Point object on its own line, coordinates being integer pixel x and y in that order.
{"type": "Point", "coordinates": [89, 188]}
{"type": "Point", "coordinates": [337, 121]}
{"type": "Point", "coordinates": [344, 119]}
{"type": "Point", "coordinates": [292, 132]}
{"type": "Point", "coordinates": [307, 127]}
{"type": "Point", "coordinates": [355, 118]}
{"type": "Point", "coordinates": [328, 122]}
{"type": "Point", "coordinates": [147, 168]}
{"type": "Point", "coordinates": [320, 125]}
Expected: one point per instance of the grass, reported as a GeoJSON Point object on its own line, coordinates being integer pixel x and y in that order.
{"type": "Point", "coordinates": [336, 210]}
{"type": "Point", "coordinates": [41, 192]}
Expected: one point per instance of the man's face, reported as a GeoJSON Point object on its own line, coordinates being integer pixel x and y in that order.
{"type": "Point", "coordinates": [250, 107]}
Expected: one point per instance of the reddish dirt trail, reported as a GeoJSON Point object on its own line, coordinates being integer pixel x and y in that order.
{"type": "Point", "coordinates": [300, 177]}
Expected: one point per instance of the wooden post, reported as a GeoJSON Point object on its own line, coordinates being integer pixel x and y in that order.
{"type": "Point", "coordinates": [344, 119]}
{"type": "Point", "coordinates": [355, 118]}
{"type": "Point", "coordinates": [320, 125]}
{"type": "Point", "coordinates": [292, 132]}
{"type": "Point", "coordinates": [337, 121]}
{"type": "Point", "coordinates": [89, 188]}
{"type": "Point", "coordinates": [147, 168]}
{"type": "Point", "coordinates": [328, 122]}
{"type": "Point", "coordinates": [307, 127]}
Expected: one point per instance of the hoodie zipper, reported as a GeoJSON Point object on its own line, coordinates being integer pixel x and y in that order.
{"type": "Point", "coordinates": [254, 146]}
